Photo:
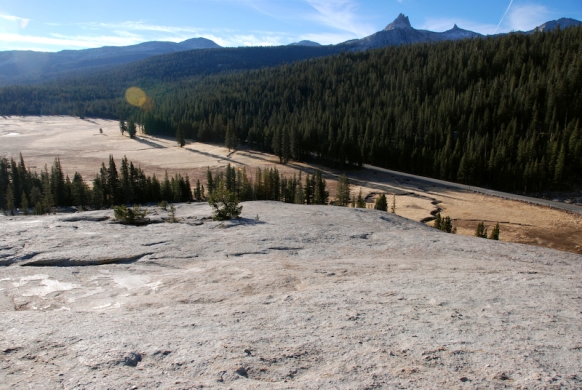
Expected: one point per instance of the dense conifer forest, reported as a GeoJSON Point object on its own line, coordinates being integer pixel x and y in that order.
{"type": "Point", "coordinates": [501, 112]}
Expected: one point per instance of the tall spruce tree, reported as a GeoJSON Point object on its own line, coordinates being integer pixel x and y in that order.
{"type": "Point", "coordinates": [495, 232]}
{"type": "Point", "coordinates": [180, 135]}
{"type": "Point", "coordinates": [131, 129]}
{"type": "Point", "coordinates": [24, 203]}
{"type": "Point", "coordinates": [10, 200]}
{"type": "Point", "coordinates": [343, 191]}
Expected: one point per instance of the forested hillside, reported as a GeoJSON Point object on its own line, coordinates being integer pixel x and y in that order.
{"type": "Point", "coordinates": [502, 112]}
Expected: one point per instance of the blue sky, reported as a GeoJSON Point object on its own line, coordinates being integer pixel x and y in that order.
{"type": "Point", "coordinates": [63, 24]}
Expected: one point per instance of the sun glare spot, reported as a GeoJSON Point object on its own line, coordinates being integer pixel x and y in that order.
{"type": "Point", "coordinates": [135, 96]}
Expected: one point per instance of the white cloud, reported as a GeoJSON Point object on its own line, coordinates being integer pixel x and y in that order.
{"type": "Point", "coordinates": [22, 22]}
{"type": "Point", "coordinates": [340, 15]}
{"type": "Point", "coordinates": [68, 41]}
{"type": "Point", "coordinates": [142, 26]}
{"type": "Point", "coordinates": [528, 17]}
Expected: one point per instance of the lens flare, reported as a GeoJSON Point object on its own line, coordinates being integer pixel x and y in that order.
{"type": "Point", "coordinates": [136, 96]}
{"type": "Point", "coordinates": [148, 104]}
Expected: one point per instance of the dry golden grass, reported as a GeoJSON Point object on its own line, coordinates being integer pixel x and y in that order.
{"type": "Point", "coordinates": [81, 147]}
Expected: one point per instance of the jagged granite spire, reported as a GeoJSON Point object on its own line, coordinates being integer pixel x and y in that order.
{"type": "Point", "coordinates": [400, 22]}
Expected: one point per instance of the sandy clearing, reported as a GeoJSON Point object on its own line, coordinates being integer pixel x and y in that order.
{"type": "Point", "coordinates": [82, 148]}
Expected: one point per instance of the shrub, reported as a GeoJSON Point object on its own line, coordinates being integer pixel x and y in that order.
{"type": "Point", "coordinates": [130, 216]}
{"type": "Point", "coordinates": [225, 204]}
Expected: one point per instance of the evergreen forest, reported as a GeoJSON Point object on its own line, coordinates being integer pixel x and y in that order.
{"type": "Point", "coordinates": [501, 112]}
{"type": "Point", "coordinates": [41, 193]}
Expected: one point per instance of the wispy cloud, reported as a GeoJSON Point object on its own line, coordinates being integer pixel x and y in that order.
{"type": "Point", "coordinates": [68, 41]}
{"type": "Point", "coordinates": [340, 15]}
{"type": "Point", "coordinates": [141, 26]}
{"type": "Point", "coordinates": [528, 17]}
{"type": "Point", "coordinates": [22, 22]}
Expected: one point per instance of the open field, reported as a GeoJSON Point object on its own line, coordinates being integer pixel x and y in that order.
{"type": "Point", "coordinates": [82, 148]}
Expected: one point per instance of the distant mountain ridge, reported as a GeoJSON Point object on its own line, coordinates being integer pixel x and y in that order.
{"type": "Point", "coordinates": [401, 32]}
{"type": "Point", "coordinates": [29, 67]}
{"type": "Point", "coordinates": [563, 23]}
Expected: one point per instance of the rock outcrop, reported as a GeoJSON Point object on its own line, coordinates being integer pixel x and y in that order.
{"type": "Point", "coordinates": [286, 297]}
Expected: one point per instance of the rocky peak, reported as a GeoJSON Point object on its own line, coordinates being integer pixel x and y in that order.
{"type": "Point", "coordinates": [399, 23]}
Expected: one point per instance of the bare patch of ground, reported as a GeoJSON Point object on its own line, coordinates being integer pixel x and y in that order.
{"type": "Point", "coordinates": [82, 148]}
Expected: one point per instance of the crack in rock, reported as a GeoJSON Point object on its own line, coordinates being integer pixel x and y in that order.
{"type": "Point", "coordinates": [68, 262]}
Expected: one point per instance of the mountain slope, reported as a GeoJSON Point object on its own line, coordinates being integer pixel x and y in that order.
{"type": "Point", "coordinates": [562, 23]}
{"type": "Point", "coordinates": [29, 66]}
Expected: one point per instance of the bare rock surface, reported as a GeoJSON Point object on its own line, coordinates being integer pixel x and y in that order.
{"type": "Point", "coordinates": [300, 297]}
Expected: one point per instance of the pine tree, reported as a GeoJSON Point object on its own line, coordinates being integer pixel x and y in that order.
{"type": "Point", "coordinates": [318, 183]}
{"type": "Point", "coordinates": [308, 189]}
{"type": "Point", "coordinates": [24, 203]}
{"type": "Point", "coordinates": [122, 125]}
{"type": "Point", "coordinates": [381, 203]}
{"type": "Point", "coordinates": [360, 202]}
{"type": "Point", "coordinates": [57, 183]}
{"type": "Point", "coordinates": [48, 200]}
{"type": "Point", "coordinates": [131, 129]}
{"type": "Point", "coordinates": [209, 181]}
{"type": "Point", "coordinates": [225, 203]}
{"type": "Point", "coordinates": [180, 136]}
{"type": "Point", "coordinates": [299, 193]}
{"type": "Point", "coordinates": [167, 193]}
{"type": "Point", "coordinates": [481, 230]}
{"type": "Point", "coordinates": [97, 195]}
{"type": "Point", "coordinates": [80, 191]}
{"type": "Point", "coordinates": [112, 183]}
{"type": "Point", "coordinates": [343, 191]}
{"type": "Point", "coordinates": [495, 233]}
{"type": "Point", "coordinates": [231, 139]}
{"type": "Point", "coordinates": [438, 222]}
{"type": "Point", "coordinates": [393, 208]}
{"type": "Point", "coordinates": [198, 191]}
{"type": "Point", "coordinates": [10, 200]}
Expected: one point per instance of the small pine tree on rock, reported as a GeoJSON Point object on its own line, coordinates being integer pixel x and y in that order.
{"type": "Point", "coordinates": [225, 205]}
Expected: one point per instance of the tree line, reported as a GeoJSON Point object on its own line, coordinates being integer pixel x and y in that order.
{"type": "Point", "coordinates": [39, 193]}
{"type": "Point", "coordinates": [500, 112]}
